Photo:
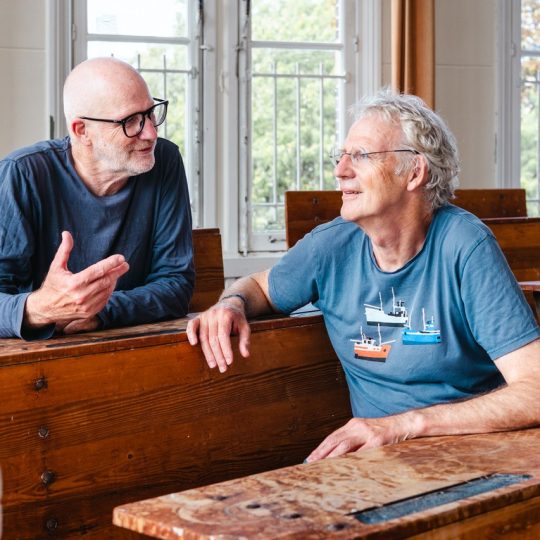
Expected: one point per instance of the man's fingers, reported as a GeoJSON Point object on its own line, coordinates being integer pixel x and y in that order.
{"type": "Point", "coordinates": [213, 330]}
{"type": "Point", "coordinates": [205, 346]}
{"type": "Point", "coordinates": [192, 331]}
{"type": "Point", "coordinates": [63, 252]}
{"type": "Point", "coordinates": [224, 340]}
{"type": "Point", "coordinates": [244, 333]}
{"type": "Point", "coordinates": [118, 271]}
{"type": "Point", "coordinates": [215, 345]}
{"type": "Point", "coordinates": [114, 264]}
{"type": "Point", "coordinates": [321, 451]}
{"type": "Point", "coordinates": [328, 444]}
{"type": "Point", "coordinates": [81, 325]}
{"type": "Point", "coordinates": [343, 447]}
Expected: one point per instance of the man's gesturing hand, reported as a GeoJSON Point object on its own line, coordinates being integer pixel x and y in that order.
{"type": "Point", "coordinates": [64, 297]}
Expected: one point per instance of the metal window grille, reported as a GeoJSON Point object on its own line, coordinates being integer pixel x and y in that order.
{"type": "Point", "coordinates": [299, 98]}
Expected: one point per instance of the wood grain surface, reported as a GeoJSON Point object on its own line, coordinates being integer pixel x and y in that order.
{"type": "Point", "coordinates": [304, 210]}
{"type": "Point", "coordinates": [317, 500]}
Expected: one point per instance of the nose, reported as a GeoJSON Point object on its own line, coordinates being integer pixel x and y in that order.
{"type": "Point", "coordinates": [344, 168]}
{"type": "Point", "coordinates": [148, 130]}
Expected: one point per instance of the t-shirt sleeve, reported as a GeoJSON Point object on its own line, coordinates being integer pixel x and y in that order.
{"type": "Point", "coordinates": [497, 312]}
{"type": "Point", "coordinates": [293, 280]}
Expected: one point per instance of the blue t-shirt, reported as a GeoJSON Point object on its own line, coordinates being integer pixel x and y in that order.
{"type": "Point", "coordinates": [148, 221]}
{"type": "Point", "coordinates": [427, 333]}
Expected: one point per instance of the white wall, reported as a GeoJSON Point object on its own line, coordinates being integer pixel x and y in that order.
{"type": "Point", "coordinates": [465, 63]}
{"type": "Point", "coordinates": [22, 67]}
{"type": "Point", "coordinates": [465, 91]}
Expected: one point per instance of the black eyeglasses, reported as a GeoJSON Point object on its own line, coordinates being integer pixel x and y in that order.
{"type": "Point", "coordinates": [134, 123]}
{"type": "Point", "coordinates": [336, 154]}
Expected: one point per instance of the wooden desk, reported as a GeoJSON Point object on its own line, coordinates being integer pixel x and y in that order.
{"type": "Point", "coordinates": [92, 421]}
{"type": "Point", "coordinates": [532, 287]}
{"type": "Point", "coordinates": [343, 497]}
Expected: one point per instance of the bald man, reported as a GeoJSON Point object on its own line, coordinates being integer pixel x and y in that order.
{"type": "Point", "coordinates": [95, 229]}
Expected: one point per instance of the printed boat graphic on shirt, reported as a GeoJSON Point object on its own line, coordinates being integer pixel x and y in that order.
{"type": "Point", "coordinates": [397, 317]}
{"type": "Point", "coordinates": [427, 336]}
{"type": "Point", "coordinates": [366, 348]}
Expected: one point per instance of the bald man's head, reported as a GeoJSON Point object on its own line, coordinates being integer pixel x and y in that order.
{"type": "Point", "coordinates": [102, 88]}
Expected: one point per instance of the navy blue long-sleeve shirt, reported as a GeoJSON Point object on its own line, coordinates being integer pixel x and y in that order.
{"type": "Point", "coordinates": [148, 221]}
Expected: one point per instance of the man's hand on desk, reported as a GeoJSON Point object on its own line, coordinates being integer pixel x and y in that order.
{"type": "Point", "coordinates": [213, 329]}
{"type": "Point", "coordinates": [69, 300]}
{"type": "Point", "coordinates": [363, 433]}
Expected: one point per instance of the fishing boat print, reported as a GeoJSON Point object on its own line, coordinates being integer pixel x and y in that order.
{"type": "Point", "coordinates": [397, 317]}
{"type": "Point", "coordinates": [366, 348]}
{"type": "Point", "coordinates": [427, 336]}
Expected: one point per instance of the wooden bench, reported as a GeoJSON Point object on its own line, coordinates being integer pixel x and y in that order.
{"type": "Point", "coordinates": [209, 274]}
{"type": "Point", "coordinates": [493, 203]}
{"type": "Point", "coordinates": [91, 421]}
{"type": "Point", "coordinates": [519, 239]}
{"type": "Point", "coordinates": [475, 486]}
{"type": "Point", "coordinates": [304, 210]}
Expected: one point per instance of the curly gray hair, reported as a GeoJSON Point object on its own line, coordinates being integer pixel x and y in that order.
{"type": "Point", "coordinates": [423, 131]}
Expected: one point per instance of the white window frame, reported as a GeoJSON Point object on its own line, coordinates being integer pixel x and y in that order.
{"type": "Point", "coordinates": [58, 61]}
{"type": "Point", "coordinates": [508, 94]}
{"type": "Point", "coordinates": [509, 55]}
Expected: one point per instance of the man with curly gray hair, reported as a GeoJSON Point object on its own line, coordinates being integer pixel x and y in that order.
{"type": "Point", "coordinates": [406, 283]}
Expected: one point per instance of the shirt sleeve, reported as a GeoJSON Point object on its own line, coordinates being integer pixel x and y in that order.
{"type": "Point", "coordinates": [497, 312]}
{"type": "Point", "coordinates": [16, 252]}
{"type": "Point", "coordinates": [293, 280]}
{"type": "Point", "coordinates": [168, 287]}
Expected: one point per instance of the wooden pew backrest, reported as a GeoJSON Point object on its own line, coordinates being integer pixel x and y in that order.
{"type": "Point", "coordinates": [209, 275]}
{"type": "Point", "coordinates": [492, 203]}
{"type": "Point", "coordinates": [304, 210]}
{"type": "Point", "coordinates": [519, 239]}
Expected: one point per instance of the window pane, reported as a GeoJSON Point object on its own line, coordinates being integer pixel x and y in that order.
{"type": "Point", "coordinates": [286, 61]}
{"type": "Point", "coordinates": [294, 20]}
{"type": "Point", "coordinates": [166, 18]}
{"type": "Point", "coordinates": [142, 55]}
{"type": "Point", "coordinates": [530, 25]}
{"type": "Point", "coordinates": [294, 124]}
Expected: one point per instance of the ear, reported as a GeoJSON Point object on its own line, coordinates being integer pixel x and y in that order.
{"type": "Point", "coordinates": [418, 175]}
{"type": "Point", "coordinates": [79, 131]}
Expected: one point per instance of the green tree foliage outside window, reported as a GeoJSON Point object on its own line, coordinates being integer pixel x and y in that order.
{"type": "Point", "coordinates": [530, 104]}
{"type": "Point", "coordinates": [293, 109]}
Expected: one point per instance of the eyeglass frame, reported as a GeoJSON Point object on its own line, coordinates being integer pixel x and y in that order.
{"type": "Point", "coordinates": [145, 115]}
{"type": "Point", "coordinates": [359, 156]}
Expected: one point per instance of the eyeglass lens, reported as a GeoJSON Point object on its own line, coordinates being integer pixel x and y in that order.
{"type": "Point", "coordinates": [135, 124]}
